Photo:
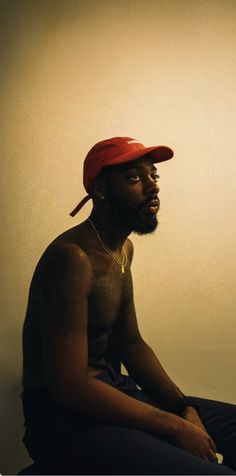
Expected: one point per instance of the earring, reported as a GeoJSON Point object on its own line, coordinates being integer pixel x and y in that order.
{"type": "Point", "coordinates": [102, 197]}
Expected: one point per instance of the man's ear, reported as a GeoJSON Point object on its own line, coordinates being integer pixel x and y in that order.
{"type": "Point", "coordinates": [98, 190]}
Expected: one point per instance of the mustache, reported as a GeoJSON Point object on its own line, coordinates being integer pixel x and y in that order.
{"type": "Point", "coordinates": [152, 200]}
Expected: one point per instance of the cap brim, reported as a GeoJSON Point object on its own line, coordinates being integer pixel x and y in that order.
{"type": "Point", "coordinates": [158, 153]}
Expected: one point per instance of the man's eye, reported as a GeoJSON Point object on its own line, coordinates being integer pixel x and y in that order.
{"type": "Point", "coordinates": [156, 177]}
{"type": "Point", "coordinates": [134, 178]}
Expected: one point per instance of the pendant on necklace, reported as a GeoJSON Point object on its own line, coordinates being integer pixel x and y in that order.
{"type": "Point", "coordinates": [123, 269]}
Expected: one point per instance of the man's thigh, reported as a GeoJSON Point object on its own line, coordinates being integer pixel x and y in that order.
{"type": "Point", "coordinates": [118, 450]}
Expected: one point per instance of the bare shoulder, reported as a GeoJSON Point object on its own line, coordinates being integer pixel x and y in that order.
{"type": "Point", "coordinates": [67, 253]}
{"type": "Point", "coordinates": [66, 249]}
{"type": "Point", "coordinates": [66, 267]}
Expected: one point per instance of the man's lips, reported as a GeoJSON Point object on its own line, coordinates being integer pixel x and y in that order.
{"type": "Point", "coordinates": [152, 205]}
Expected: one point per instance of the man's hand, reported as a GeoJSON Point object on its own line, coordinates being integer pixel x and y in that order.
{"type": "Point", "coordinates": [193, 437]}
{"type": "Point", "coordinates": [191, 415]}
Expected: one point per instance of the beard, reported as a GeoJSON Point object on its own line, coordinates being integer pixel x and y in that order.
{"type": "Point", "coordinates": [132, 217]}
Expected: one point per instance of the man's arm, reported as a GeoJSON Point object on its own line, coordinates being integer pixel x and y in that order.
{"type": "Point", "coordinates": [139, 359]}
{"type": "Point", "coordinates": [67, 282]}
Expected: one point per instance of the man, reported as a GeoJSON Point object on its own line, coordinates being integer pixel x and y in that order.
{"type": "Point", "coordinates": [82, 415]}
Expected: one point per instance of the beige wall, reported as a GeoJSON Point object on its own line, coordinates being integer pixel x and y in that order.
{"type": "Point", "coordinates": [75, 72]}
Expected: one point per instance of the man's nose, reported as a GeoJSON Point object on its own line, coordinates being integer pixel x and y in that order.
{"type": "Point", "coordinates": [151, 186]}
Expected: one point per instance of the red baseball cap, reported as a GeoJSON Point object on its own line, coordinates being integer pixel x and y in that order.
{"type": "Point", "coordinates": [114, 151]}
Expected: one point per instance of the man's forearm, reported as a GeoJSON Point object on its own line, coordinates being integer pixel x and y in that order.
{"type": "Point", "coordinates": [104, 403]}
{"type": "Point", "coordinates": [143, 365]}
{"type": "Point", "coordinates": [107, 405]}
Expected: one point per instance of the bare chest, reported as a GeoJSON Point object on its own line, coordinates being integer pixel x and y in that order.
{"type": "Point", "coordinates": [105, 301]}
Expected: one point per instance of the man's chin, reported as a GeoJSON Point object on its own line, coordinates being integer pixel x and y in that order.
{"type": "Point", "coordinates": [144, 227]}
{"type": "Point", "coordinates": [136, 221]}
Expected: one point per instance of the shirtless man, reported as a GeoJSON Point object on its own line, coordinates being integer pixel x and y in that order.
{"type": "Point", "coordinates": [82, 415]}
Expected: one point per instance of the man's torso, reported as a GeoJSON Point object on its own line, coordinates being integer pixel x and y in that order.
{"type": "Point", "coordinates": [109, 289]}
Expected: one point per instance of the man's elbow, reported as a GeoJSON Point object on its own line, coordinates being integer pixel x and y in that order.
{"type": "Point", "coordinates": [70, 394]}
{"type": "Point", "coordinates": [132, 349]}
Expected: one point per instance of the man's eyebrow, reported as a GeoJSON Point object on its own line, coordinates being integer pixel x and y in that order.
{"type": "Point", "coordinates": [140, 167]}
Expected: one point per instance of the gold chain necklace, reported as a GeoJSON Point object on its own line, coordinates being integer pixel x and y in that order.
{"type": "Point", "coordinates": [123, 262]}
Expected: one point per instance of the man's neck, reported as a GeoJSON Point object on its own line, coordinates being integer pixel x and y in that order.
{"type": "Point", "coordinates": [111, 233]}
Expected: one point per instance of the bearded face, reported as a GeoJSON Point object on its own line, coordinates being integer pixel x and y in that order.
{"type": "Point", "coordinates": [131, 193]}
{"type": "Point", "coordinates": [138, 218]}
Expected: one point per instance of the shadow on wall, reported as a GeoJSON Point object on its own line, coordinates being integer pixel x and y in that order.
{"type": "Point", "coordinates": [13, 455]}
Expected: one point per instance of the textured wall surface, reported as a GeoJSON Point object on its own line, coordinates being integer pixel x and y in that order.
{"type": "Point", "coordinates": [74, 72]}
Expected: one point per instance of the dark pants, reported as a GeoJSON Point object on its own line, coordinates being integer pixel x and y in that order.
{"type": "Point", "coordinates": [61, 443]}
